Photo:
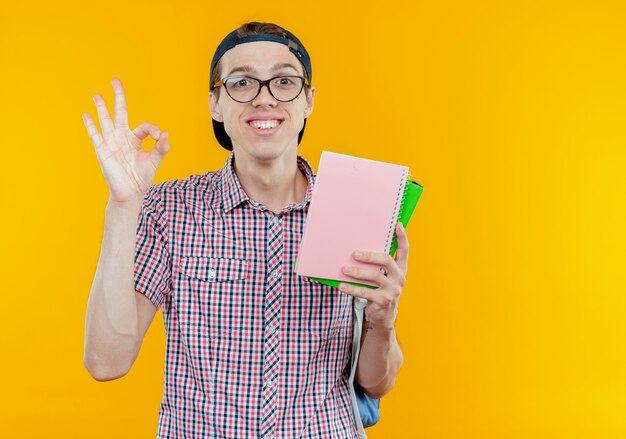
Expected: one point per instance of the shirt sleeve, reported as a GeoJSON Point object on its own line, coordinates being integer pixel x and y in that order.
{"type": "Point", "coordinates": [153, 263]}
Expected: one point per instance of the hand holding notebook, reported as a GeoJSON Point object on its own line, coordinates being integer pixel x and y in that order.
{"type": "Point", "coordinates": [355, 205]}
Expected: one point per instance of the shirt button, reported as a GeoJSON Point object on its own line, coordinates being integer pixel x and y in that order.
{"type": "Point", "coordinates": [212, 274]}
{"type": "Point", "coordinates": [275, 274]}
{"type": "Point", "coordinates": [276, 220]}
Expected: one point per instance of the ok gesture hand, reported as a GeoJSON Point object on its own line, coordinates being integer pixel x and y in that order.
{"type": "Point", "coordinates": [128, 169]}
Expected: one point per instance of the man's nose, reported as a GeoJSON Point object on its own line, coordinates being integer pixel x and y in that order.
{"type": "Point", "coordinates": [264, 97]}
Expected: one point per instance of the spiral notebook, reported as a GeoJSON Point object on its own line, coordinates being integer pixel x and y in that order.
{"type": "Point", "coordinates": [355, 204]}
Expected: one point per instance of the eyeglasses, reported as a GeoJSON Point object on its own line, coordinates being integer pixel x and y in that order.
{"type": "Point", "coordinates": [244, 89]}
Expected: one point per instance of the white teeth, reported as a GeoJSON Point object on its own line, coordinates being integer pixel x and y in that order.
{"type": "Point", "coordinates": [264, 124]}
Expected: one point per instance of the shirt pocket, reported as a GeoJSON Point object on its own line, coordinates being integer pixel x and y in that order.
{"type": "Point", "coordinates": [209, 269]}
{"type": "Point", "coordinates": [217, 288]}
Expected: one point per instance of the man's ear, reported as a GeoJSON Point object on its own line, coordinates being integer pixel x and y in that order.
{"type": "Point", "coordinates": [310, 99]}
{"type": "Point", "coordinates": [215, 107]}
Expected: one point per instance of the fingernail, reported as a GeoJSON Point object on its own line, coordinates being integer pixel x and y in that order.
{"type": "Point", "coordinates": [358, 254]}
{"type": "Point", "coordinates": [347, 270]}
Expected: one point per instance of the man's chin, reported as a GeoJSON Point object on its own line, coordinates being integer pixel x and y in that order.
{"type": "Point", "coordinates": [260, 150]}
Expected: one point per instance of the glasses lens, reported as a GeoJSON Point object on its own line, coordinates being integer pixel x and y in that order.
{"type": "Point", "coordinates": [286, 88]}
{"type": "Point", "coordinates": [283, 88]}
{"type": "Point", "coordinates": [241, 89]}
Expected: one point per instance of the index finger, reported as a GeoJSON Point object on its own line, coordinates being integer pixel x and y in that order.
{"type": "Point", "coordinates": [384, 260]}
{"type": "Point", "coordinates": [121, 112]}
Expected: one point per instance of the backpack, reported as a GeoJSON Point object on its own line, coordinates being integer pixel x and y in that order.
{"type": "Point", "coordinates": [366, 410]}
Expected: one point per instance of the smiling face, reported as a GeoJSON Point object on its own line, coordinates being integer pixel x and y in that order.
{"type": "Point", "coordinates": [264, 128]}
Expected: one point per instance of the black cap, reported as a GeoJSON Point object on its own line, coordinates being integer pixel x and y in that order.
{"type": "Point", "coordinates": [231, 40]}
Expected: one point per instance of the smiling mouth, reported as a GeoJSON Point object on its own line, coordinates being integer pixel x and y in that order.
{"type": "Point", "coordinates": [265, 124]}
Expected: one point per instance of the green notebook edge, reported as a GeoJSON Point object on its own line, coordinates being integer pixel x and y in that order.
{"type": "Point", "coordinates": [412, 193]}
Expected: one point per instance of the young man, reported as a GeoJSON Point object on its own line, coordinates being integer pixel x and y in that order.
{"type": "Point", "coordinates": [253, 350]}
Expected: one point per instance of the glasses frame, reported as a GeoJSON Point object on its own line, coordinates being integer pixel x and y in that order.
{"type": "Point", "coordinates": [261, 83]}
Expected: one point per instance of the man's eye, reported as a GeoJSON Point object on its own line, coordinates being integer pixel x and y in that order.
{"type": "Point", "coordinates": [284, 82]}
{"type": "Point", "coordinates": [240, 83]}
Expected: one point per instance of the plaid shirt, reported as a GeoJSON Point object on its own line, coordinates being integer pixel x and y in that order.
{"type": "Point", "coordinates": [253, 350]}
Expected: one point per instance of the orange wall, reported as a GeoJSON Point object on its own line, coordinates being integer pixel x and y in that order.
{"type": "Point", "coordinates": [510, 114]}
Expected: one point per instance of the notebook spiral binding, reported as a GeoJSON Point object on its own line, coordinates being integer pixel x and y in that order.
{"type": "Point", "coordinates": [398, 208]}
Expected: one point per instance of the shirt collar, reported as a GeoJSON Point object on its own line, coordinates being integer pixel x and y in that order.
{"type": "Point", "coordinates": [232, 192]}
{"type": "Point", "coordinates": [234, 195]}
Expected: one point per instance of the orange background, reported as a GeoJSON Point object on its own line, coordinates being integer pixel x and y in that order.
{"type": "Point", "coordinates": [510, 114]}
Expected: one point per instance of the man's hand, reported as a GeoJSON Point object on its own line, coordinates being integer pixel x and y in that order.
{"type": "Point", "coordinates": [128, 169]}
{"type": "Point", "coordinates": [382, 306]}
